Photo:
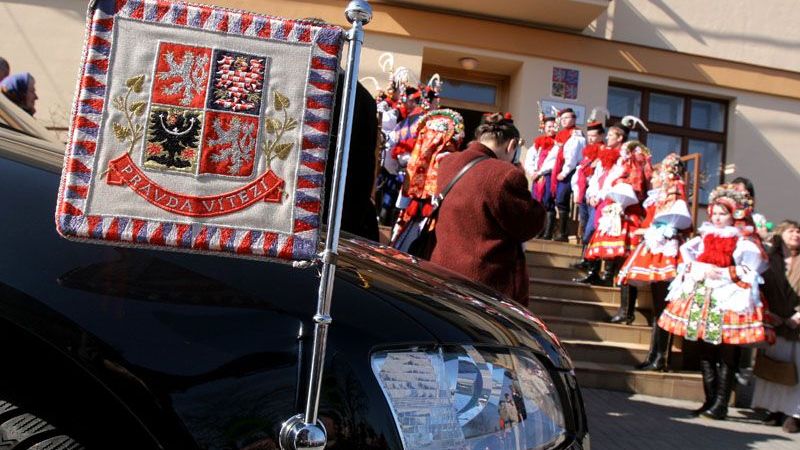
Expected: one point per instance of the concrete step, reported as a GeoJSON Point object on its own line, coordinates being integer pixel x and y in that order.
{"type": "Point", "coordinates": [607, 352]}
{"type": "Point", "coordinates": [589, 330]}
{"type": "Point", "coordinates": [567, 289]}
{"type": "Point", "coordinates": [554, 247]}
{"type": "Point", "coordinates": [616, 377]}
{"type": "Point", "coordinates": [555, 273]}
{"type": "Point", "coordinates": [578, 309]}
{"type": "Point", "coordinates": [550, 259]}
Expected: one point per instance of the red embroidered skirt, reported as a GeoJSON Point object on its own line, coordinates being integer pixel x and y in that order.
{"type": "Point", "coordinates": [696, 316]}
{"type": "Point", "coordinates": [647, 267]}
{"type": "Point", "coordinates": [608, 247]}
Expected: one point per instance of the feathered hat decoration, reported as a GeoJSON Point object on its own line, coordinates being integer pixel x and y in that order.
{"type": "Point", "coordinates": [599, 109]}
{"type": "Point", "coordinates": [543, 118]}
{"type": "Point", "coordinates": [631, 121]}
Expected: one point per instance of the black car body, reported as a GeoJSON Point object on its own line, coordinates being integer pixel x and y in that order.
{"type": "Point", "coordinates": [129, 348]}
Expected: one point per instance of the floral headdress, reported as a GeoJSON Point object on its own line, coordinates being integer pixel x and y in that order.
{"type": "Point", "coordinates": [734, 199]}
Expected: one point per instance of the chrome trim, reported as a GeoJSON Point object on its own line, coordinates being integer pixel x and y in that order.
{"type": "Point", "coordinates": [305, 432]}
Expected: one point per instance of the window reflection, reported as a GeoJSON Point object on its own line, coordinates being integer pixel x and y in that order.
{"type": "Point", "coordinates": [666, 109]}
{"type": "Point", "coordinates": [469, 92]}
{"type": "Point", "coordinates": [623, 102]}
{"type": "Point", "coordinates": [708, 115]}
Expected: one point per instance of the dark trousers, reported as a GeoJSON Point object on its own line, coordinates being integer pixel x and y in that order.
{"type": "Point", "coordinates": [589, 227]}
{"type": "Point", "coordinates": [564, 192]}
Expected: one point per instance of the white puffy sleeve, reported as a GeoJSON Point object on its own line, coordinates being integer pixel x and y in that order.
{"type": "Point", "coordinates": [529, 163]}
{"type": "Point", "coordinates": [573, 149]}
{"type": "Point", "coordinates": [691, 249]}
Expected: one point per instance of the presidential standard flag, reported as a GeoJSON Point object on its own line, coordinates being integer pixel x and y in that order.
{"type": "Point", "coordinates": [200, 128]}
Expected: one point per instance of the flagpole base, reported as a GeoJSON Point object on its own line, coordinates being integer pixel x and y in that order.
{"type": "Point", "coordinates": [297, 435]}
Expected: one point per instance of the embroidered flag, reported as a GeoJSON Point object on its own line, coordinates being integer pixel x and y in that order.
{"type": "Point", "coordinates": [200, 128]}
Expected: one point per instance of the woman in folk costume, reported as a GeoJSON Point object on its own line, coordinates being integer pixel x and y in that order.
{"type": "Point", "coordinates": [439, 132]}
{"type": "Point", "coordinates": [715, 297]}
{"type": "Point", "coordinates": [655, 260]}
{"type": "Point", "coordinates": [617, 194]}
{"type": "Point", "coordinates": [539, 160]}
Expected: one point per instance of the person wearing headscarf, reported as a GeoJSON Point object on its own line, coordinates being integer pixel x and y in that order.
{"type": "Point", "coordinates": [20, 88]}
{"type": "Point", "coordinates": [715, 299]}
{"type": "Point", "coordinates": [781, 289]}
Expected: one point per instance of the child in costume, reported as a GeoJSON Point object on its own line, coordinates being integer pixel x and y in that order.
{"type": "Point", "coordinates": [715, 297]}
{"type": "Point", "coordinates": [655, 260]}
{"type": "Point", "coordinates": [617, 193]}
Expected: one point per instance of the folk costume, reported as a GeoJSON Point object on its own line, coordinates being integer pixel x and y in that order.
{"type": "Point", "coordinates": [716, 299]}
{"type": "Point", "coordinates": [619, 214]}
{"type": "Point", "coordinates": [580, 182]}
{"type": "Point", "coordinates": [655, 260]}
{"type": "Point", "coordinates": [570, 142]}
{"type": "Point", "coordinates": [656, 257]}
{"type": "Point", "coordinates": [540, 160]}
{"type": "Point", "coordinates": [439, 132]}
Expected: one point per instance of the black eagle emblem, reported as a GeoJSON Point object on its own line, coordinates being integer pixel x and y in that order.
{"type": "Point", "coordinates": [174, 131]}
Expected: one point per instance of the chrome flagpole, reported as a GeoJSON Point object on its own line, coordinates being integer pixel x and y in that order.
{"type": "Point", "coordinates": [304, 431]}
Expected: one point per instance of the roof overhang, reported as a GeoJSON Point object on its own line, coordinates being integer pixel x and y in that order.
{"type": "Point", "coordinates": [572, 15]}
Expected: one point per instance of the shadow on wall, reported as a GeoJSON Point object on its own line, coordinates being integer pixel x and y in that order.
{"type": "Point", "coordinates": [70, 8]}
{"type": "Point", "coordinates": [629, 25]}
{"type": "Point", "coordinates": [775, 178]}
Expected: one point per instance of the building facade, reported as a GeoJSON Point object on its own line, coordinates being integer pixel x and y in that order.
{"type": "Point", "coordinates": [720, 78]}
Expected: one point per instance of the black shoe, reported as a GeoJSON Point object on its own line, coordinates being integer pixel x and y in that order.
{"type": "Point", "coordinates": [591, 277]}
{"type": "Point", "coordinates": [709, 371]}
{"type": "Point", "coordinates": [725, 379]}
{"type": "Point", "coordinates": [657, 357]}
{"type": "Point", "coordinates": [774, 419]}
{"type": "Point", "coordinates": [657, 363]}
{"type": "Point", "coordinates": [563, 221]}
{"type": "Point", "coordinates": [627, 305]}
{"type": "Point", "coordinates": [549, 225]}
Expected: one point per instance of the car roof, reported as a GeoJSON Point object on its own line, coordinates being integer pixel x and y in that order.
{"type": "Point", "coordinates": [24, 138]}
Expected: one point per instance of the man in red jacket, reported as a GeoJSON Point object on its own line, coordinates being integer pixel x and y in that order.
{"type": "Point", "coordinates": [489, 213]}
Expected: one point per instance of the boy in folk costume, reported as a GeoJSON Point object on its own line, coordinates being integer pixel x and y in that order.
{"type": "Point", "coordinates": [715, 297]}
{"type": "Point", "coordinates": [539, 162]}
{"type": "Point", "coordinates": [595, 134]}
{"type": "Point", "coordinates": [569, 147]}
{"type": "Point", "coordinates": [439, 132]}
{"type": "Point", "coordinates": [655, 260]}
{"type": "Point", "coordinates": [616, 190]}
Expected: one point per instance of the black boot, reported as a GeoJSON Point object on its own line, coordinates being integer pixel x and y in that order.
{"type": "Point", "coordinates": [592, 273]}
{"type": "Point", "coordinates": [719, 408]}
{"type": "Point", "coordinates": [657, 357]}
{"type": "Point", "coordinates": [563, 221]}
{"type": "Point", "coordinates": [627, 305]}
{"type": "Point", "coordinates": [607, 277]}
{"type": "Point", "coordinates": [709, 370]}
{"type": "Point", "coordinates": [549, 225]}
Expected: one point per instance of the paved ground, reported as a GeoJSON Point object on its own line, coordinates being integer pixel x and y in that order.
{"type": "Point", "coordinates": [628, 421]}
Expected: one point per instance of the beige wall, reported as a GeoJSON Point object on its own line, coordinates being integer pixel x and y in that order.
{"type": "Point", "coordinates": [755, 32]}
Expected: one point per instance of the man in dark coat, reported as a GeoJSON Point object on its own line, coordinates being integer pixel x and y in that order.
{"type": "Point", "coordinates": [489, 213]}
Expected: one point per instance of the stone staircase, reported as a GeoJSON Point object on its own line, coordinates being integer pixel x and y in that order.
{"type": "Point", "coordinates": [603, 353]}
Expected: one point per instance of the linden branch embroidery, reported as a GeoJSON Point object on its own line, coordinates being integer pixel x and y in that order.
{"type": "Point", "coordinates": [274, 148]}
{"type": "Point", "coordinates": [132, 132]}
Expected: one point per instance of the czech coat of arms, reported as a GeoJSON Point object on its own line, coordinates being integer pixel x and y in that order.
{"type": "Point", "coordinates": [192, 129]}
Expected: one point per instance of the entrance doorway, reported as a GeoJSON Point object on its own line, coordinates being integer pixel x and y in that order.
{"type": "Point", "coordinates": [470, 93]}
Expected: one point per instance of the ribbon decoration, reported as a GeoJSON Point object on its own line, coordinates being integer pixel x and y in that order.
{"type": "Point", "coordinates": [267, 187]}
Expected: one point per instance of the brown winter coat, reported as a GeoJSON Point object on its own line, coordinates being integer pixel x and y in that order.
{"type": "Point", "coordinates": [484, 221]}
